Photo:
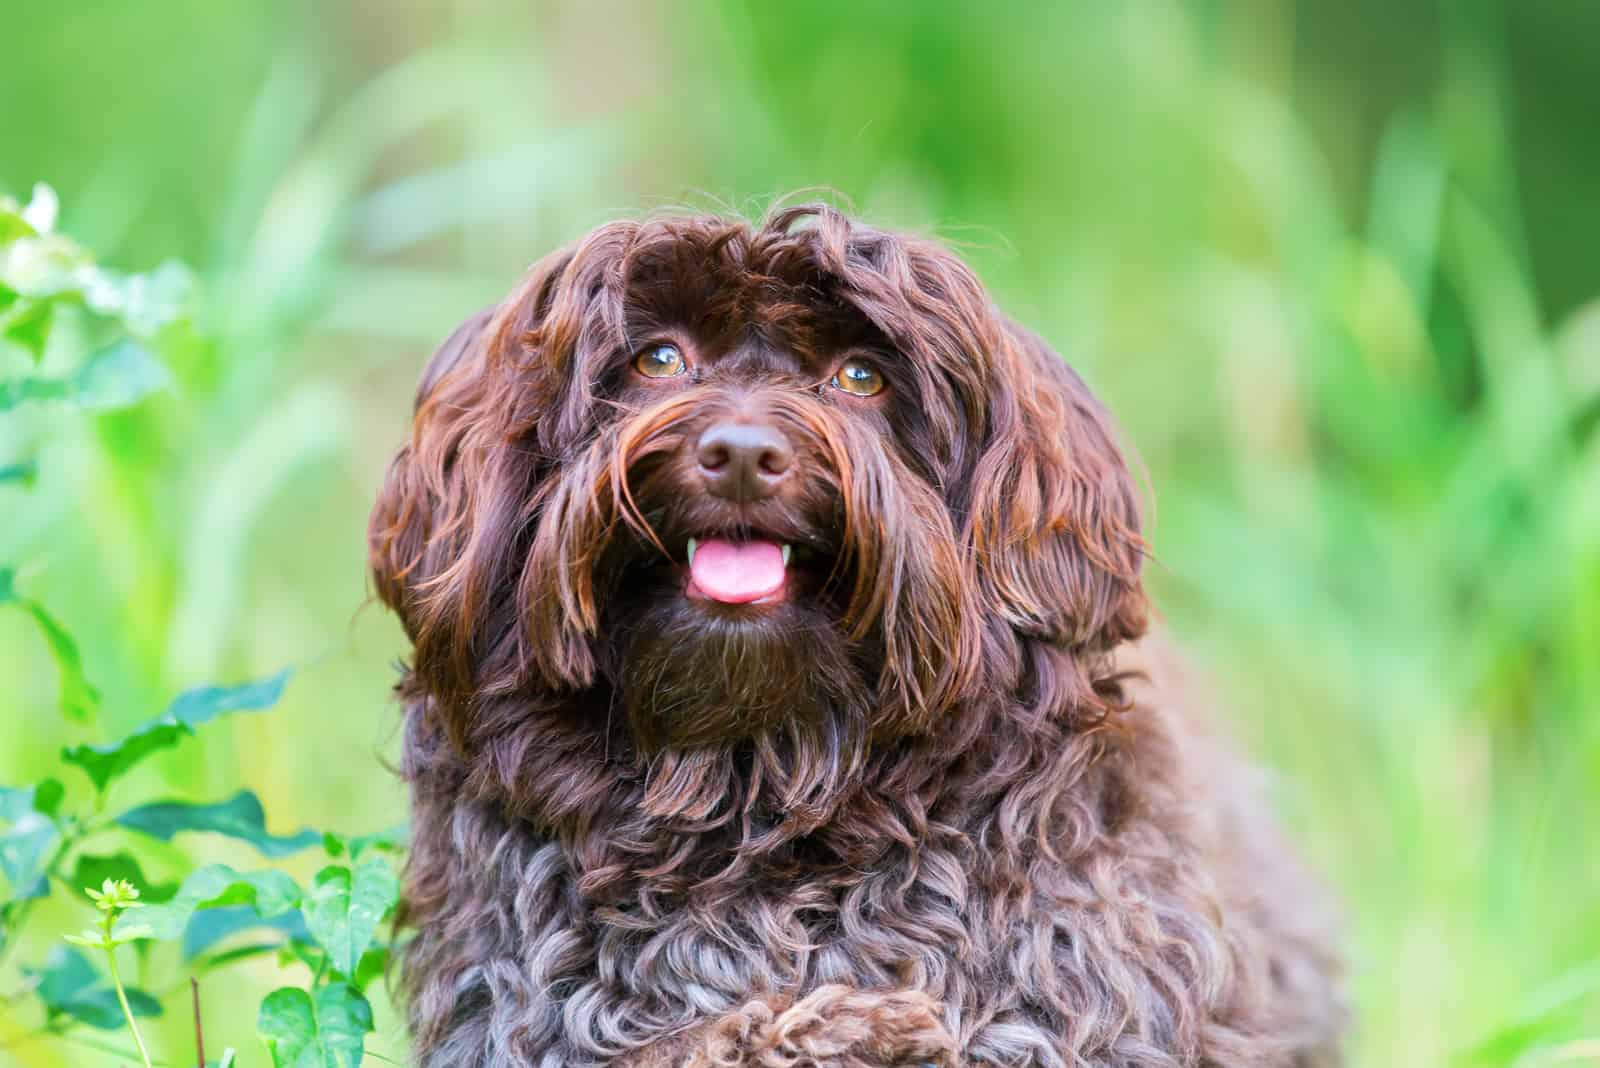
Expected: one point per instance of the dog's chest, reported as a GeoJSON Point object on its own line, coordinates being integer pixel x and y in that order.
{"type": "Point", "coordinates": [649, 969]}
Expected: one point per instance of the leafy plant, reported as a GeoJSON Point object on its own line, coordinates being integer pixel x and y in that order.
{"type": "Point", "coordinates": [64, 831]}
{"type": "Point", "coordinates": [115, 900]}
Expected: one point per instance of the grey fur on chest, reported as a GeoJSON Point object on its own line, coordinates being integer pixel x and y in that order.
{"type": "Point", "coordinates": [597, 981]}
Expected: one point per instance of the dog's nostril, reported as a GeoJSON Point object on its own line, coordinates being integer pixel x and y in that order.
{"type": "Point", "coordinates": [775, 460]}
{"type": "Point", "coordinates": [743, 461]}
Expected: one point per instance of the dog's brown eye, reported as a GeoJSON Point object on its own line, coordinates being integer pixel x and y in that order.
{"type": "Point", "coordinates": [660, 361]}
{"type": "Point", "coordinates": [858, 377]}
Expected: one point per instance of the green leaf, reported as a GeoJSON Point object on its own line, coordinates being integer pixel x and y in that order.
{"type": "Point", "coordinates": [23, 473]}
{"type": "Point", "coordinates": [211, 926]}
{"type": "Point", "coordinates": [202, 964]}
{"type": "Point", "coordinates": [302, 951]}
{"type": "Point", "coordinates": [206, 703]}
{"type": "Point", "coordinates": [344, 910]}
{"type": "Point", "coordinates": [93, 870]}
{"type": "Point", "coordinates": [17, 391]}
{"type": "Point", "coordinates": [118, 376]}
{"type": "Point", "coordinates": [238, 817]}
{"type": "Point", "coordinates": [79, 699]}
{"type": "Point", "coordinates": [17, 801]}
{"type": "Point", "coordinates": [12, 224]}
{"type": "Point", "coordinates": [69, 985]}
{"type": "Point", "coordinates": [105, 763]}
{"type": "Point", "coordinates": [47, 795]}
{"type": "Point", "coordinates": [27, 323]}
{"type": "Point", "coordinates": [270, 893]}
{"type": "Point", "coordinates": [26, 848]}
{"type": "Point", "coordinates": [66, 972]}
{"type": "Point", "coordinates": [25, 852]}
{"type": "Point", "coordinates": [374, 964]}
{"type": "Point", "coordinates": [99, 1009]}
{"type": "Point", "coordinates": [389, 840]}
{"type": "Point", "coordinates": [325, 1030]}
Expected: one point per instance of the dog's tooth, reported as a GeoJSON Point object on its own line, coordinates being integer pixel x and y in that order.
{"type": "Point", "coordinates": [788, 550]}
{"type": "Point", "coordinates": [693, 544]}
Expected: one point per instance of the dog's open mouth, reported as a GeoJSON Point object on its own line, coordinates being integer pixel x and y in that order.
{"type": "Point", "coordinates": [746, 570]}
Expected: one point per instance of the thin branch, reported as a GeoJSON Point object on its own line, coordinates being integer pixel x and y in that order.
{"type": "Point", "coordinates": [199, 1033]}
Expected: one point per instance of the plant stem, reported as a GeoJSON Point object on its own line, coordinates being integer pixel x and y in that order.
{"type": "Point", "coordinates": [199, 1034]}
{"type": "Point", "coordinates": [122, 999]}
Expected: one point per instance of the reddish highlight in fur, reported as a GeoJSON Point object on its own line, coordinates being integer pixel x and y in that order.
{"type": "Point", "coordinates": [943, 803]}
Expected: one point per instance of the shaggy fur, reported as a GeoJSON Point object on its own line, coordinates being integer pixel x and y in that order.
{"type": "Point", "coordinates": [945, 804]}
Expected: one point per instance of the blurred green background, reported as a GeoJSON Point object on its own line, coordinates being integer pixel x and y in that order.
{"type": "Point", "coordinates": [1334, 266]}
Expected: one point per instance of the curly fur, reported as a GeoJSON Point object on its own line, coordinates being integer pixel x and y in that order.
{"type": "Point", "coordinates": [950, 805]}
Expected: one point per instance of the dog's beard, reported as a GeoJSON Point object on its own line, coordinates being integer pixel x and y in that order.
{"type": "Point", "coordinates": [693, 675]}
{"type": "Point", "coordinates": [764, 719]}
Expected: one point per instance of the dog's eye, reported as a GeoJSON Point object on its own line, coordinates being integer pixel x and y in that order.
{"type": "Point", "coordinates": [859, 378]}
{"type": "Point", "coordinates": [660, 361]}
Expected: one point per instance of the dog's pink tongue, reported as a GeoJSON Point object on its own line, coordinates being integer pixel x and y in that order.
{"type": "Point", "coordinates": [737, 572]}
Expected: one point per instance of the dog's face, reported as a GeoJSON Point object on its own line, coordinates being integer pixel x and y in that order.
{"type": "Point", "coordinates": [751, 485]}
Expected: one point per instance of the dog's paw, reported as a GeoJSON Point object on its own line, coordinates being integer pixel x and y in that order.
{"type": "Point", "coordinates": [832, 1027]}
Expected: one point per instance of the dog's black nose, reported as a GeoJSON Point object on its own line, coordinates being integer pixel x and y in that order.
{"type": "Point", "coordinates": [743, 461]}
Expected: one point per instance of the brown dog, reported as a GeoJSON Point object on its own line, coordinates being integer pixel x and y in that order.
{"type": "Point", "coordinates": [778, 695]}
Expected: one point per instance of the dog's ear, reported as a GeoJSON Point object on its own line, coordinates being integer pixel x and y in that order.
{"type": "Point", "coordinates": [1047, 509]}
{"type": "Point", "coordinates": [446, 533]}
{"type": "Point", "coordinates": [462, 540]}
{"type": "Point", "coordinates": [419, 525]}
{"type": "Point", "coordinates": [1053, 523]}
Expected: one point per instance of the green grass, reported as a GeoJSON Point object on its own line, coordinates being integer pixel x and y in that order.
{"type": "Point", "coordinates": [1332, 269]}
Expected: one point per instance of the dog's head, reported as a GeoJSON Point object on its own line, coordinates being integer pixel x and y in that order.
{"type": "Point", "coordinates": [745, 483]}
